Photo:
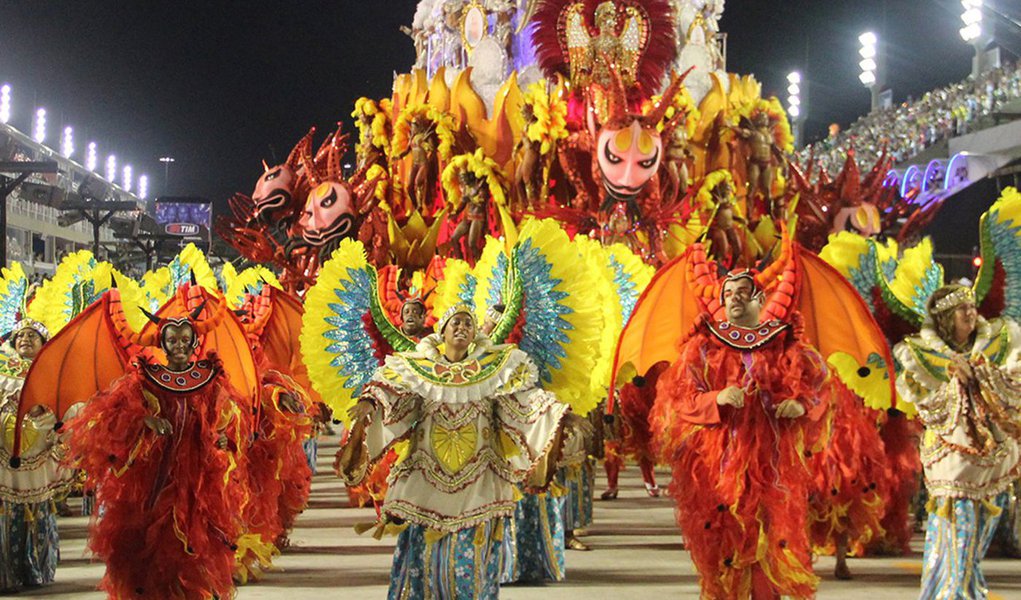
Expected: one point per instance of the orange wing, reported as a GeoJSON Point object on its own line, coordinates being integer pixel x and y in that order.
{"type": "Point", "coordinates": [85, 357]}
{"type": "Point", "coordinates": [665, 312]}
{"type": "Point", "coordinates": [280, 339]}
{"type": "Point", "coordinates": [839, 324]}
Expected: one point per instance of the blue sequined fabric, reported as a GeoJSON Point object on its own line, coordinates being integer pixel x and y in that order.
{"type": "Point", "coordinates": [955, 546]}
{"type": "Point", "coordinates": [533, 541]}
{"type": "Point", "coordinates": [544, 338]}
{"type": "Point", "coordinates": [351, 345]}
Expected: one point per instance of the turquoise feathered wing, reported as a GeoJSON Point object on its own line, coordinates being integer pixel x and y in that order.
{"type": "Point", "coordinates": [998, 284]}
{"type": "Point", "coordinates": [551, 295]}
{"type": "Point", "coordinates": [13, 293]}
{"type": "Point", "coordinates": [345, 333]}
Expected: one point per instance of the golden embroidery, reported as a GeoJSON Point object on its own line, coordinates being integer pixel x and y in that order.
{"type": "Point", "coordinates": [454, 447]}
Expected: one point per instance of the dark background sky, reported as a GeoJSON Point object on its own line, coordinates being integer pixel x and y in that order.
{"type": "Point", "coordinates": [222, 85]}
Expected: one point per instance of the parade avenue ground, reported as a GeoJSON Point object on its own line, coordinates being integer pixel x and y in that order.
{"type": "Point", "coordinates": [636, 550]}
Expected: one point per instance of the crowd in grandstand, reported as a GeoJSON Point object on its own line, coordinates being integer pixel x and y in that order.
{"type": "Point", "coordinates": [909, 128]}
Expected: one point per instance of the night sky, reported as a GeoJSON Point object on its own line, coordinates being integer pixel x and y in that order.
{"type": "Point", "coordinates": [222, 85]}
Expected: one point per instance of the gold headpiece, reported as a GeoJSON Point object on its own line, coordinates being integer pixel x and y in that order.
{"type": "Point", "coordinates": [34, 325]}
{"type": "Point", "coordinates": [954, 299]}
{"type": "Point", "coordinates": [457, 309]}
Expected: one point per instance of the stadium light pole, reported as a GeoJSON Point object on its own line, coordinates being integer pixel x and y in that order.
{"type": "Point", "coordinates": [166, 160]}
{"type": "Point", "coordinates": [972, 33]}
{"type": "Point", "coordinates": [795, 108]}
{"type": "Point", "coordinates": [868, 76]}
{"type": "Point", "coordinates": [91, 157]}
{"type": "Point", "coordinates": [67, 143]}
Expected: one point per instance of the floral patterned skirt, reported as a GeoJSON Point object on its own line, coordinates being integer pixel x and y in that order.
{"type": "Point", "coordinates": [457, 566]}
{"type": "Point", "coordinates": [579, 481]}
{"type": "Point", "coordinates": [533, 543]}
{"type": "Point", "coordinates": [29, 544]}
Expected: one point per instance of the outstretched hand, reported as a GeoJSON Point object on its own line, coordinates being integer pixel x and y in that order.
{"type": "Point", "coordinates": [579, 425]}
{"type": "Point", "coordinates": [960, 366]}
{"type": "Point", "coordinates": [290, 404]}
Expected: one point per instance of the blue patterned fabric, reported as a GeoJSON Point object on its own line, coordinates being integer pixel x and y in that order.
{"type": "Point", "coordinates": [1008, 534]}
{"type": "Point", "coordinates": [955, 544]}
{"type": "Point", "coordinates": [88, 503]}
{"type": "Point", "coordinates": [29, 544]}
{"type": "Point", "coordinates": [464, 565]}
{"type": "Point", "coordinates": [579, 481]}
{"type": "Point", "coordinates": [533, 542]}
{"type": "Point", "coordinates": [311, 446]}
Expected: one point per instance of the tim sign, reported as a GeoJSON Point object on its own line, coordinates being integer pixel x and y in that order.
{"type": "Point", "coordinates": [181, 228]}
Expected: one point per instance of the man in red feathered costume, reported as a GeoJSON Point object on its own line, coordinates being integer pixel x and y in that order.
{"type": "Point", "coordinates": [156, 447]}
{"type": "Point", "coordinates": [736, 418]}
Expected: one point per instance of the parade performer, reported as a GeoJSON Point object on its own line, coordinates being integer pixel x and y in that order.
{"type": "Point", "coordinates": [897, 283]}
{"type": "Point", "coordinates": [961, 372]}
{"type": "Point", "coordinates": [157, 441]}
{"type": "Point", "coordinates": [633, 437]}
{"type": "Point", "coordinates": [279, 478]}
{"type": "Point", "coordinates": [742, 405]}
{"type": "Point", "coordinates": [730, 414]}
{"type": "Point", "coordinates": [29, 542]}
{"type": "Point", "coordinates": [548, 313]}
{"type": "Point", "coordinates": [485, 425]}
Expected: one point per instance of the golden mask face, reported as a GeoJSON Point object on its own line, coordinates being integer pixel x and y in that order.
{"type": "Point", "coordinates": [329, 213]}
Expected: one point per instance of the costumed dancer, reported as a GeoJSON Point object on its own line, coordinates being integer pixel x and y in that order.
{"type": "Point", "coordinates": [961, 372]}
{"type": "Point", "coordinates": [372, 490]}
{"type": "Point", "coordinates": [744, 403]}
{"type": "Point", "coordinates": [278, 477]}
{"type": "Point", "coordinates": [29, 542]}
{"type": "Point", "coordinates": [851, 480]}
{"type": "Point", "coordinates": [480, 425]}
{"type": "Point", "coordinates": [735, 417]}
{"type": "Point", "coordinates": [634, 438]}
{"type": "Point", "coordinates": [155, 445]}
{"type": "Point", "coordinates": [535, 538]}
{"type": "Point", "coordinates": [578, 478]}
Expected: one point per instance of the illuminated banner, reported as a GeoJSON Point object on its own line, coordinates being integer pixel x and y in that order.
{"type": "Point", "coordinates": [189, 218]}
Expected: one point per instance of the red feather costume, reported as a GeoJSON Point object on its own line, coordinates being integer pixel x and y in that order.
{"type": "Point", "coordinates": [277, 470]}
{"type": "Point", "coordinates": [635, 438]}
{"type": "Point", "coordinates": [740, 477]}
{"type": "Point", "coordinates": [278, 477]}
{"type": "Point", "coordinates": [170, 503]}
{"type": "Point", "coordinates": [851, 478]}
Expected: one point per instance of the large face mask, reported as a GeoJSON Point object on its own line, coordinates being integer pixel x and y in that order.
{"type": "Point", "coordinates": [329, 213]}
{"type": "Point", "coordinates": [628, 158]}
{"type": "Point", "coordinates": [274, 189]}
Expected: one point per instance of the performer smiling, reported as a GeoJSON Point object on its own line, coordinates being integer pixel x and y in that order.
{"type": "Point", "coordinates": [961, 371]}
{"type": "Point", "coordinates": [154, 446]}
{"type": "Point", "coordinates": [478, 425]}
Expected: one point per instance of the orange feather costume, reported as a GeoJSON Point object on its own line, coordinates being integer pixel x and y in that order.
{"type": "Point", "coordinates": [740, 476]}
